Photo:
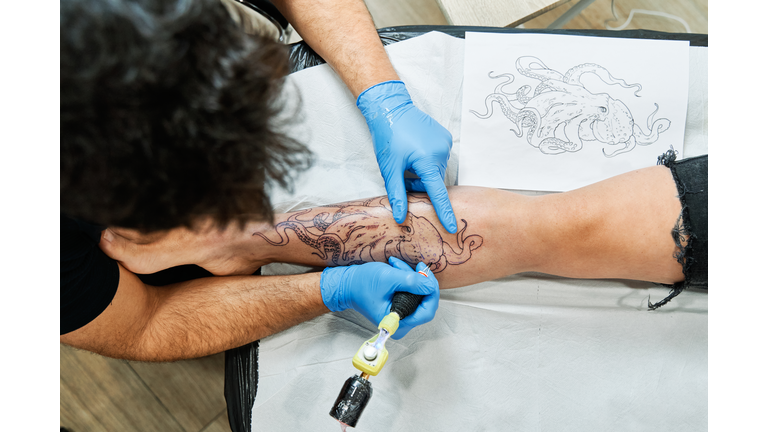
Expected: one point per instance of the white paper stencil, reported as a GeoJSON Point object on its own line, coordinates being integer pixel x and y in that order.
{"type": "Point", "coordinates": [557, 112]}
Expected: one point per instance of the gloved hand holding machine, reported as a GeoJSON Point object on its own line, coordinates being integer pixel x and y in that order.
{"type": "Point", "coordinates": [340, 288]}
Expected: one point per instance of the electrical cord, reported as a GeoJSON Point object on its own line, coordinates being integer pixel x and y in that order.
{"type": "Point", "coordinates": [641, 11]}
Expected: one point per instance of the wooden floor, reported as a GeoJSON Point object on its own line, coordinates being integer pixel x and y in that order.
{"type": "Point", "coordinates": [599, 15]}
{"type": "Point", "coordinates": [100, 394]}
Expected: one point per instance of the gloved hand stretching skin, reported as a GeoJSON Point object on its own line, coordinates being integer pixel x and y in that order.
{"type": "Point", "coordinates": [368, 289]}
{"type": "Point", "coordinates": [405, 138]}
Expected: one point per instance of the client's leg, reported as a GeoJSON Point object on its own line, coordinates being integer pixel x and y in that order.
{"type": "Point", "coordinates": [617, 228]}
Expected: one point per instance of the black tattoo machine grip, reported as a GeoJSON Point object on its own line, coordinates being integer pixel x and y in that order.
{"type": "Point", "coordinates": [405, 303]}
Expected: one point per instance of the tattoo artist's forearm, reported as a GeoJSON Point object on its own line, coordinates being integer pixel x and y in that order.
{"type": "Point", "coordinates": [210, 315]}
{"type": "Point", "coordinates": [326, 25]}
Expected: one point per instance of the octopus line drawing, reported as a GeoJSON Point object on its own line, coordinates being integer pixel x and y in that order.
{"type": "Point", "coordinates": [356, 234]}
{"type": "Point", "coordinates": [562, 113]}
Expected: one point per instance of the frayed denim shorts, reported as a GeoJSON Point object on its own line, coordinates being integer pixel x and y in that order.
{"type": "Point", "coordinates": [691, 231]}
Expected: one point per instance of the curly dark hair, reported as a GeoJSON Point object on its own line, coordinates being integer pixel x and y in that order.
{"type": "Point", "coordinates": [169, 113]}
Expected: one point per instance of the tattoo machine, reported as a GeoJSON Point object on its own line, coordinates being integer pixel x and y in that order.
{"type": "Point", "coordinates": [369, 360]}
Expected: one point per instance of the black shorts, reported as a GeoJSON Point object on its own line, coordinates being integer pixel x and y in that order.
{"type": "Point", "coordinates": [691, 176]}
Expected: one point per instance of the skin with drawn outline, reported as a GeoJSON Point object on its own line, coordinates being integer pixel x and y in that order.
{"type": "Point", "coordinates": [358, 232]}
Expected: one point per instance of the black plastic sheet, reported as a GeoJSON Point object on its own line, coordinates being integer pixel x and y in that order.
{"type": "Point", "coordinates": [241, 382]}
{"type": "Point", "coordinates": [302, 56]}
{"type": "Point", "coordinates": [241, 374]}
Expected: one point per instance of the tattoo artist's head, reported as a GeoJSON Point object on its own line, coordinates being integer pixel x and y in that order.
{"type": "Point", "coordinates": [168, 114]}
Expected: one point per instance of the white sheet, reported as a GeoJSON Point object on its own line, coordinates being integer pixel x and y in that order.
{"type": "Point", "coordinates": [528, 352]}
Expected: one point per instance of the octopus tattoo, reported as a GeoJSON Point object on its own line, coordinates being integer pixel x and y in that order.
{"type": "Point", "coordinates": [356, 234]}
{"type": "Point", "coordinates": [562, 114]}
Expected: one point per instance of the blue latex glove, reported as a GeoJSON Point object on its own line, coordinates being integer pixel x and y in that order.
{"type": "Point", "coordinates": [368, 288]}
{"type": "Point", "coordinates": [405, 138]}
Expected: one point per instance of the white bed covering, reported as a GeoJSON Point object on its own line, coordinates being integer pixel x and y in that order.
{"type": "Point", "coordinates": [528, 352]}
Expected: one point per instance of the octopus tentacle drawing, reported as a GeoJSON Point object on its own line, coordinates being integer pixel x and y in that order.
{"type": "Point", "coordinates": [562, 114]}
{"type": "Point", "coordinates": [354, 234]}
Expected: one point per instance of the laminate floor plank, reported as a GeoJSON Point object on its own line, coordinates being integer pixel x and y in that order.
{"type": "Point", "coordinates": [75, 413]}
{"type": "Point", "coordinates": [102, 394]}
{"type": "Point", "coordinates": [191, 390]}
{"type": "Point", "coordinates": [598, 14]}
{"type": "Point", "coordinates": [219, 424]}
{"type": "Point", "coordinates": [388, 13]}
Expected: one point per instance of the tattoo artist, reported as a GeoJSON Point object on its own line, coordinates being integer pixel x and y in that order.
{"type": "Point", "coordinates": [161, 106]}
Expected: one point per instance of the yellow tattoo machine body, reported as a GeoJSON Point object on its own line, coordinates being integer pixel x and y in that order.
{"type": "Point", "coordinates": [373, 355]}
